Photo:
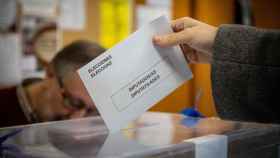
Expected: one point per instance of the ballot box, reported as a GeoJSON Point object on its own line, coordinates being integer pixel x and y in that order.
{"type": "Point", "coordinates": [153, 135]}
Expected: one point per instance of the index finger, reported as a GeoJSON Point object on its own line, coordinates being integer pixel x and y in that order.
{"type": "Point", "coordinates": [182, 23]}
{"type": "Point", "coordinates": [172, 38]}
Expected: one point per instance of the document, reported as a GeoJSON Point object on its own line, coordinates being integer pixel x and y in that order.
{"type": "Point", "coordinates": [134, 75]}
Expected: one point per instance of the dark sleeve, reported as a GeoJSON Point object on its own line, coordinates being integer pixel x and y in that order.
{"type": "Point", "coordinates": [11, 113]}
{"type": "Point", "coordinates": [246, 73]}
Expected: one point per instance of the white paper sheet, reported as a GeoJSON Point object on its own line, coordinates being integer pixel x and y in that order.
{"type": "Point", "coordinates": [10, 55]}
{"type": "Point", "coordinates": [39, 8]}
{"type": "Point", "coordinates": [134, 75]}
{"type": "Point", "coordinates": [72, 15]}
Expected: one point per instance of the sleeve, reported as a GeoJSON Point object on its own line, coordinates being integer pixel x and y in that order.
{"type": "Point", "coordinates": [246, 73]}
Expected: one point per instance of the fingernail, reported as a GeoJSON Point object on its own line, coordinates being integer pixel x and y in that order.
{"type": "Point", "coordinates": [156, 39]}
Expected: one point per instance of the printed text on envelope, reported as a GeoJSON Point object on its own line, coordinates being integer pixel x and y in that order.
{"type": "Point", "coordinates": [137, 88]}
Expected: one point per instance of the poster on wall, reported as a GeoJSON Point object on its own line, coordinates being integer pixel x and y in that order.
{"type": "Point", "coordinates": [41, 35]}
{"type": "Point", "coordinates": [72, 14]}
{"type": "Point", "coordinates": [10, 52]}
{"type": "Point", "coordinates": [115, 21]}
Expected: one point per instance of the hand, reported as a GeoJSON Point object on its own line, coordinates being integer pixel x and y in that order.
{"type": "Point", "coordinates": [195, 38]}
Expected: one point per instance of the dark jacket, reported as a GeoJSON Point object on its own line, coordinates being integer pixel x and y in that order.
{"type": "Point", "coordinates": [11, 113]}
{"type": "Point", "coordinates": [246, 74]}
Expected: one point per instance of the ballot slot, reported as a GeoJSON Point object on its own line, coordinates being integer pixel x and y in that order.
{"type": "Point", "coordinates": [143, 83]}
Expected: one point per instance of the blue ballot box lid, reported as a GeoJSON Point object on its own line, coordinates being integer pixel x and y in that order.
{"type": "Point", "coordinates": [151, 135]}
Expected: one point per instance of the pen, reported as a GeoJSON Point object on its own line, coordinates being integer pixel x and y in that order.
{"type": "Point", "coordinates": [193, 111]}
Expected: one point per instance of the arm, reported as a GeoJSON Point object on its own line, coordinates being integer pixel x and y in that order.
{"type": "Point", "coordinates": [245, 66]}
{"type": "Point", "coordinates": [247, 45]}
{"type": "Point", "coordinates": [246, 73]}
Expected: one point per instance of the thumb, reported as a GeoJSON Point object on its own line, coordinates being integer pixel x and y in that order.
{"type": "Point", "coordinates": [172, 39]}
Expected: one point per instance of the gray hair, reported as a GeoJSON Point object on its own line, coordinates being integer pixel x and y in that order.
{"type": "Point", "coordinates": [74, 56]}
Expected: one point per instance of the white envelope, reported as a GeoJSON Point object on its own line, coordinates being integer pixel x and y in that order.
{"type": "Point", "coordinates": [134, 75]}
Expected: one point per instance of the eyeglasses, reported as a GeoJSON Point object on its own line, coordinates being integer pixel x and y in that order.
{"type": "Point", "coordinates": [69, 100]}
{"type": "Point", "coordinates": [76, 103]}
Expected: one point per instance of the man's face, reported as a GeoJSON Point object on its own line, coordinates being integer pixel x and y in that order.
{"type": "Point", "coordinates": [76, 94]}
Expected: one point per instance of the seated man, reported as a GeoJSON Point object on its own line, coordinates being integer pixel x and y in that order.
{"type": "Point", "coordinates": [60, 96]}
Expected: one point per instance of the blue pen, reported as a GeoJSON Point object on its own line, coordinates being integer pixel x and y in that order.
{"type": "Point", "coordinates": [193, 111]}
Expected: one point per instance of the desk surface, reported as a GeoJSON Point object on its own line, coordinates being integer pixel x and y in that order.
{"type": "Point", "coordinates": [153, 134]}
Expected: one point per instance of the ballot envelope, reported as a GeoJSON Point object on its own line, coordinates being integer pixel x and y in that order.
{"type": "Point", "coordinates": [151, 135]}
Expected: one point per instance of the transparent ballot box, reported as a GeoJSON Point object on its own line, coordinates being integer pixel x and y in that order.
{"type": "Point", "coordinates": [153, 135]}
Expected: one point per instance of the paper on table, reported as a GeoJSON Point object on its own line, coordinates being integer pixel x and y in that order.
{"type": "Point", "coordinates": [134, 75]}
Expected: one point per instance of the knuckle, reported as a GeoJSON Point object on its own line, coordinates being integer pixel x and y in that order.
{"type": "Point", "coordinates": [186, 18]}
{"type": "Point", "coordinates": [188, 35]}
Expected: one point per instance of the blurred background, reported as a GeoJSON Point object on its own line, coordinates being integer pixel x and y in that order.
{"type": "Point", "coordinates": [32, 31]}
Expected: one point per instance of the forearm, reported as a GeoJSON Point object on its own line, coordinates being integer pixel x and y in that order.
{"type": "Point", "coordinates": [246, 73]}
{"type": "Point", "coordinates": [247, 45]}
